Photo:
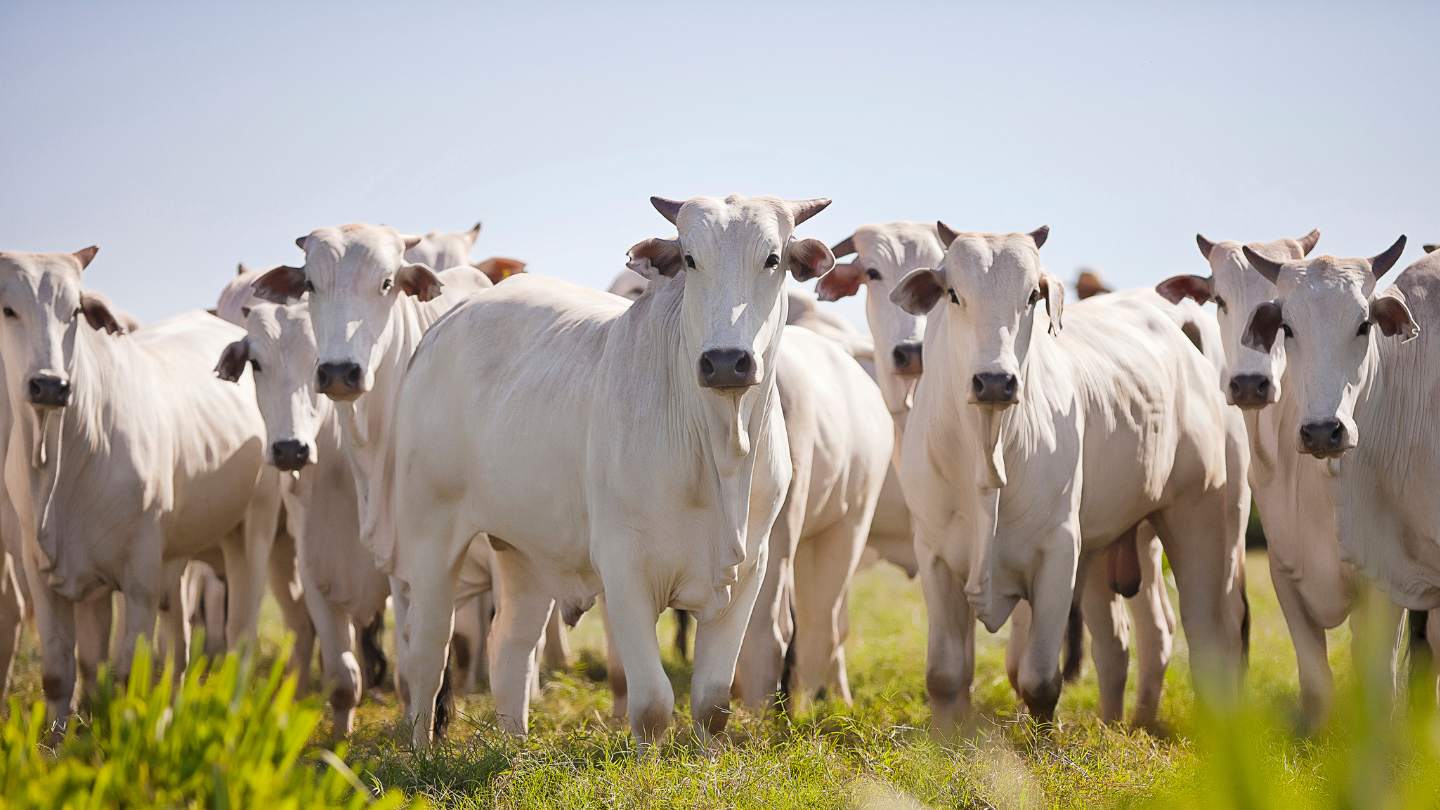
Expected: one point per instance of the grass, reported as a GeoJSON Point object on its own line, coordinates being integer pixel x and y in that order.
{"type": "Point", "coordinates": [878, 753]}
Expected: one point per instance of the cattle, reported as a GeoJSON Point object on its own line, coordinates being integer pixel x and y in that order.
{"type": "Point", "coordinates": [1358, 377]}
{"type": "Point", "coordinates": [633, 450]}
{"type": "Point", "coordinates": [369, 307]}
{"type": "Point", "coordinates": [130, 459]}
{"type": "Point", "coordinates": [1029, 450]}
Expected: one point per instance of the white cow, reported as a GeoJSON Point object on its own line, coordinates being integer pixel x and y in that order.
{"type": "Point", "coordinates": [629, 449]}
{"type": "Point", "coordinates": [131, 458]}
{"type": "Point", "coordinates": [1359, 377]}
{"type": "Point", "coordinates": [1120, 407]}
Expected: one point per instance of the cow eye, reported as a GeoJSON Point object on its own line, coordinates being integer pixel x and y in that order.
{"type": "Point", "coordinates": [255, 365]}
{"type": "Point", "coordinates": [1219, 302]}
{"type": "Point", "coordinates": [1289, 333]}
{"type": "Point", "coordinates": [772, 261]}
{"type": "Point", "coordinates": [386, 285]}
{"type": "Point", "coordinates": [10, 313]}
{"type": "Point", "coordinates": [308, 286]}
{"type": "Point", "coordinates": [1364, 329]}
{"type": "Point", "coordinates": [954, 299]}
{"type": "Point", "coordinates": [689, 261]}
{"type": "Point", "coordinates": [873, 274]}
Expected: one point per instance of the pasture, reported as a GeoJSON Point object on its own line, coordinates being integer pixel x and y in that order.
{"type": "Point", "coordinates": [878, 754]}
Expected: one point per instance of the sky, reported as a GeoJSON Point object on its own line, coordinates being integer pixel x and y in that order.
{"type": "Point", "coordinates": [184, 138]}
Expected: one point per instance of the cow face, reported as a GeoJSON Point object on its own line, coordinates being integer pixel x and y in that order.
{"type": "Point", "coordinates": [44, 310]}
{"type": "Point", "coordinates": [1251, 379]}
{"type": "Point", "coordinates": [442, 250]}
{"type": "Point", "coordinates": [883, 255]}
{"type": "Point", "coordinates": [1328, 321]}
{"type": "Point", "coordinates": [353, 278]}
{"type": "Point", "coordinates": [734, 253]}
{"type": "Point", "coordinates": [279, 349]}
{"type": "Point", "coordinates": [992, 285]}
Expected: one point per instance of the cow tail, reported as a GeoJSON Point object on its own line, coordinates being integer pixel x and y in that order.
{"type": "Point", "coordinates": [682, 634]}
{"type": "Point", "coordinates": [1074, 644]}
{"type": "Point", "coordinates": [444, 706]}
{"type": "Point", "coordinates": [1421, 665]}
{"type": "Point", "coordinates": [372, 655]}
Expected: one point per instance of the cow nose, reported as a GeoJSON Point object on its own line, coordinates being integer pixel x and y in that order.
{"type": "Point", "coordinates": [728, 368]}
{"type": "Point", "coordinates": [290, 454]}
{"type": "Point", "coordinates": [48, 391]}
{"type": "Point", "coordinates": [908, 361]}
{"type": "Point", "coordinates": [339, 380]}
{"type": "Point", "coordinates": [995, 389]}
{"type": "Point", "coordinates": [1323, 437]}
{"type": "Point", "coordinates": [1250, 390]}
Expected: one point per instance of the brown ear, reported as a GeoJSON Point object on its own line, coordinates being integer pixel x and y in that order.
{"type": "Point", "coordinates": [844, 247]}
{"type": "Point", "coordinates": [808, 258]}
{"type": "Point", "coordinates": [1308, 241]}
{"type": "Point", "coordinates": [498, 268]}
{"type": "Point", "coordinates": [300, 241]}
{"type": "Point", "coordinates": [233, 360]}
{"type": "Point", "coordinates": [1054, 293]}
{"type": "Point", "coordinates": [1431, 248]}
{"type": "Point", "coordinates": [842, 281]}
{"type": "Point", "coordinates": [1264, 325]}
{"type": "Point", "coordinates": [86, 255]}
{"type": "Point", "coordinates": [1177, 288]}
{"type": "Point", "coordinates": [98, 314]}
{"type": "Point", "coordinates": [1205, 246]}
{"type": "Point", "coordinates": [281, 285]}
{"type": "Point", "coordinates": [946, 233]}
{"type": "Point", "coordinates": [1089, 285]}
{"type": "Point", "coordinates": [918, 292]}
{"type": "Point", "coordinates": [1381, 264]}
{"type": "Point", "coordinates": [419, 281]}
{"type": "Point", "coordinates": [655, 257]}
{"type": "Point", "coordinates": [1040, 234]}
{"type": "Point", "coordinates": [1265, 266]}
{"type": "Point", "coordinates": [1390, 312]}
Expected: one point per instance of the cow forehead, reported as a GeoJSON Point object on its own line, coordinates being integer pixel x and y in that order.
{"type": "Point", "coordinates": [734, 216]}
{"type": "Point", "coordinates": [1326, 287]}
{"type": "Point", "coordinates": [353, 250]}
{"type": "Point", "coordinates": [285, 326]}
{"type": "Point", "coordinates": [992, 261]}
{"type": "Point", "coordinates": [37, 264]}
{"type": "Point", "coordinates": [898, 244]}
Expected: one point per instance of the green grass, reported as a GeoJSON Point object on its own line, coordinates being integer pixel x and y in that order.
{"type": "Point", "coordinates": [878, 753]}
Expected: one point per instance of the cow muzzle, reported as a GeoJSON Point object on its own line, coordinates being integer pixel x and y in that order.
{"type": "Point", "coordinates": [290, 455]}
{"type": "Point", "coordinates": [1324, 438]}
{"type": "Point", "coordinates": [340, 381]}
{"type": "Point", "coordinates": [995, 389]}
{"type": "Point", "coordinates": [907, 359]}
{"type": "Point", "coordinates": [728, 368]}
{"type": "Point", "coordinates": [1251, 391]}
{"type": "Point", "coordinates": [48, 391]}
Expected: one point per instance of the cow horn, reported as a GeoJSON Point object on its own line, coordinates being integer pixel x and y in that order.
{"type": "Point", "coordinates": [802, 210]}
{"type": "Point", "coordinates": [669, 209]}
{"type": "Point", "coordinates": [1307, 242]}
{"type": "Point", "coordinates": [1264, 265]}
{"type": "Point", "coordinates": [1382, 263]}
{"type": "Point", "coordinates": [1205, 245]}
{"type": "Point", "coordinates": [844, 247]}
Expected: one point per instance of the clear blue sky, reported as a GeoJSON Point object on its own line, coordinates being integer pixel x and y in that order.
{"type": "Point", "coordinates": [184, 137]}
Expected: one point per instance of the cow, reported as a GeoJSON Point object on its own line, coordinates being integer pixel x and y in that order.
{"type": "Point", "coordinates": [1357, 383]}
{"type": "Point", "coordinates": [1316, 588]}
{"type": "Point", "coordinates": [632, 450]}
{"type": "Point", "coordinates": [1028, 452]}
{"type": "Point", "coordinates": [130, 459]}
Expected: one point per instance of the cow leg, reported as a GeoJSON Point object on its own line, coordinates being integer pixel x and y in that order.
{"type": "Point", "coordinates": [1432, 636]}
{"type": "Point", "coordinates": [614, 668]}
{"type": "Point", "coordinates": [286, 584]}
{"type": "Point", "coordinates": [92, 640]}
{"type": "Point", "coordinates": [467, 642]}
{"type": "Point", "coordinates": [950, 652]}
{"type": "Point", "coordinates": [557, 646]}
{"type": "Point", "coordinates": [1154, 631]}
{"type": "Point", "coordinates": [717, 648]}
{"type": "Point", "coordinates": [762, 653]}
{"type": "Point", "coordinates": [337, 656]}
{"type": "Point", "coordinates": [400, 605]}
{"type": "Point", "coordinates": [1015, 647]}
{"type": "Point", "coordinates": [141, 609]}
{"type": "Point", "coordinates": [1051, 593]}
{"type": "Point", "coordinates": [1312, 661]}
{"type": "Point", "coordinates": [212, 599]}
{"type": "Point", "coordinates": [630, 612]}
{"type": "Point", "coordinates": [1109, 632]}
{"type": "Point", "coordinates": [519, 625]}
{"type": "Point", "coordinates": [174, 631]}
{"type": "Point", "coordinates": [55, 624]}
{"type": "Point", "coordinates": [824, 567]}
{"type": "Point", "coordinates": [429, 577]}
{"type": "Point", "coordinates": [247, 561]}
{"type": "Point", "coordinates": [12, 618]}
{"type": "Point", "coordinates": [1375, 625]}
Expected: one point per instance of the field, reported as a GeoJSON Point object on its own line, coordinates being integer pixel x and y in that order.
{"type": "Point", "coordinates": [878, 753]}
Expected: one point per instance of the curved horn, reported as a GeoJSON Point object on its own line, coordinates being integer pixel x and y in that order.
{"type": "Point", "coordinates": [86, 255]}
{"type": "Point", "coordinates": [1307, 242]}
{"type": "Point", "coordinates": [1265, 266]}
{"type": "Point", "coordinates": [844, 247]}
{"type": "Point", "coordinates": [669, 209]}
{"type": "Point", "coordinates": [1380, 264]}
{"type": "Point", "coordinates": [947, 234]}
{"type": "Point", "coordinates": [802, 210]}
{"type": "Point", "coordinates": [1040, 234]}
{"type": "Point", "coordinates": [1205, 245]}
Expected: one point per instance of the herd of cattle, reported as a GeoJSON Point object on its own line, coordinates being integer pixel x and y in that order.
{"type": "Point", "coordinates": [491, 451]}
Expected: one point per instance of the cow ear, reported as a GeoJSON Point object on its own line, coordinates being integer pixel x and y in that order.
{"type": "Point", "coordinates": [946, 233]}
{"type": "Point", "coordinates": [1177, 288]}
{"type": "Point", "coordinates": [1054, 293]}
{"type": "Point", "coordinates": [498, 268]}
{"type": "Point", "coordinates": [419, 281]}
{"type": "Point", "coordinates": [1264, 265]}
{"type": "Point", "coordinates": [1263, 326]}
{"type": "Point", "coordinates": [86, 255]}
{"type": "Point", "coordinates": [655, 257]}
{"type": "Point", "coordinates": [280, 285]}
{"type": "Point", "coordinates": [1388, 309]}
{"type": "Point", "coordinates": [918, 291]}
{"type": "Point", "coordinates": [99, 316]}
{"type": "Point", "coordinates": [1205, 245]}
{"type": "Point", "coordinates": [300, 241]}
{"type": "Point", "coordinates": [233, 360]}
{"type": "Point", "coordinates": [1040, 234]}
{"type": "Point", "coordinates": [1431, 248]}
{"type": "Point", "coordinates": [1381, 264]}
{"type": "Point", "coordinates": [1089, 285]}
{"type": "Point", "coordinates": [842, 281]}
{"type": "Point", "coordinates": [808, 258]}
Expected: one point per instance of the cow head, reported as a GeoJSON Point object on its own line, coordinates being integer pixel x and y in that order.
{"type": "Point", "coordinates": [1327, 318]}
{"type": "Point", "coordinates": [1251, 379]}
{"type": "Point", "coordinates": [279, 349]}
{"type": "Point", "coordinates": [734, 254]}
{"type": "Point", "coordinates": [883, 255]}
{"type": "Point", "coordinates": [44, 310]}
{"type": "Point", "coordinates": [353, 279]}
{"type": "Point", "coordinates": [629, 284]}
{"type": "Point", "coordinates": [990, 286]}
{"type": "Point", "coordinates": [440, 249]}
